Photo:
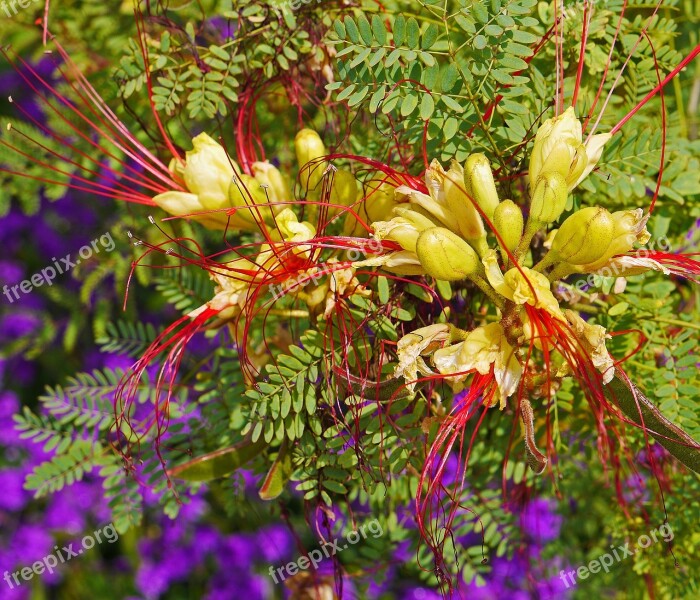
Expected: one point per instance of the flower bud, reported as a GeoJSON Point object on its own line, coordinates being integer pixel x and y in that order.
{"type": "Point", "coordinates": [559, 148]}
{"type": "Point", "coordinates": [208, 172]}
{"type": "Point", "coordinates": [508, 221]}
{"type": "Point", "coordinates": [418, 219]}
{"type": "Point", "coordinates": [245, 192]}
{"type": "Point", "coordinates": [444, 255]}
{"type": "Point", "coordinates": [469, 220]}
{"type": "Point", "coordinates": [376, 205]}
{"type": "Point", "coordinates": [548, 198]}
{"type": "Point", "coordinates": [275, 182]}
{"type": "Point", "coordinates": [343, 190]}
{"type": "Point", "coordinates": [309, 147]}
{"type": "Point", "coordinates": [479, 183]}
{"type": "Point", "coordinates": [398, 230]}
{"type": "Point", "coordinates": [630, 228]}
{"type": "Point", "coordinates": [585, 236]}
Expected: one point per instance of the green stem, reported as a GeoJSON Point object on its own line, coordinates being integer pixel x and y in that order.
{"type": "Point", "coordinates": [677, 322]}
{"type": "Point", "coordinates": [482, 284]}
{"type": "Point", "coordinates": [531, 229]}
{"type": "Point", "coordinates": [561, 271]}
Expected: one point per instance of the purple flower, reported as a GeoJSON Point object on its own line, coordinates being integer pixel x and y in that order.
{"type": "Point", "coordinates": [14, 497]}
{"type": "Point", "coordinates": [539, 522]}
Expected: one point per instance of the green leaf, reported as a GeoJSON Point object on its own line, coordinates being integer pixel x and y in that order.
{"type": "Point", "coordinates": [352, 31]}
{"type": "Point", "coordinates": [480, 42]}
{"type": "Point", "coordinates": [427, 107]}
{"type": "Point", "coordinates": [378, 29]}
{"type": "Point", "coordinates": [335, 486]}
{"type": "Point", "coordinates": [399, 30]}
{"type": "Point", "coordinates": [365, 29]}
{"type": "Point", "coordinates": [409, 104]}
{"type": "Point", "coordinates": [339, 29]}
{"type": "Point", "coordinates": [412, 33]}
{"type": "Point", "coordinates": [430, 36]}
{"type": "Point", "coordinates": [449, 78]}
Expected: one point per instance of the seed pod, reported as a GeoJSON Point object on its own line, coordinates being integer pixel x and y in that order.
{"type": "Point", "coordinates": [585, 236]}
{"type": "Point", "coordinates": [479, 183]}
{"type": "Point", "coordinates": [548, 198]}
{"type": "Point", "coordinates": [444, 255]}
{"type": "Point", "coordinates": [508, 221]}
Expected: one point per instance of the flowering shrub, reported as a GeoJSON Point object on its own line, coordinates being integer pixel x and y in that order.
{"type": "Point", "coordinates": [396, 264]}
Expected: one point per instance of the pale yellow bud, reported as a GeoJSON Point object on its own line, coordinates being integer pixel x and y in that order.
{"type": "Point", "coordinates": [479, 183]}
{"type": "Point", "coordinates": [508, 221]}
{"type": "Point", "coordinates": [469, 221]}
{"type": "Point", "coordinates": [444, 255]}
{"type": "Point", "coordinates": [549, 198]}
{"type": "Point", "coordinates": [420, 220]}
{"type": "Point", "coordinates": [309, 147]}
{"type": "Point", "coordinates": [274, 182]}
{"type": "Point", "coordinates": [585, 236]}
{"type": "Point", "coordinates": [343, 190]}
{"type": "Point", "coordinates": [559, 148]}
{"type": "Point", "coordinates": [398, 230]}
{"type": "Point", "coordinates": [245, 192]}
{"type": "Point", "coordinates": [377, 205]}
{"type": "Point", "coordinates": [630, 228]}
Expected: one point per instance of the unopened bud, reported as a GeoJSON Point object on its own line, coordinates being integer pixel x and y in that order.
{"type": "Point", "coordinates": [343, 190]}
{"type": "Point", "coordinates": [630, 228]}
{"type": "Point", "coordinates": [418, 219]}
{"type": "Point", "coordinates": [309, 147]}
{"type": "Point", "coordinates": [559, 148]}
{"type": "Point", "coordinates": [208, 172]}
{"type": "Point", "coordinates": [278, 188]}
{"type": "Point", "coordinates": [244, 191]}
{"type": "Point", "coordinates": [469, 221]}
{"type": "Point", "coordinates": [508, 221]}
{"type": "Point", "coordinates": [585, 236]}
{"type": "Point", "coordinates": [548, 198]}
{"type": "Point", "coordinates": [446, 256]}
{"type": "Point", "coordinates": [479, 183]}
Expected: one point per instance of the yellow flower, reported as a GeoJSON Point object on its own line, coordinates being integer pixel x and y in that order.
{"type": "Point", "coordinates": [412, 347]}
{"type": "Point", "coordinates": [584, 237]}
{"type": "Point", "coordinates": [215, 183]}
{"type": "Point", "coordinates": [508, 221]}
{"type": "Point", "coordinates": [592, 338]}
{"type": "Point", "coordinates": [521, 285]}
{"type": "Point", "coordinates": [288, 229]}
{"type": "Point", "coordinates": [483, 348]}
{"type": "Point", "coordinates": [469, 221]}
{"type": "Point", "coordinates": [434, 203]}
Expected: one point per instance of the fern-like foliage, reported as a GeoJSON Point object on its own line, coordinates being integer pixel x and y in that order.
{"type": "Point", "coordinates": [126, 337]}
